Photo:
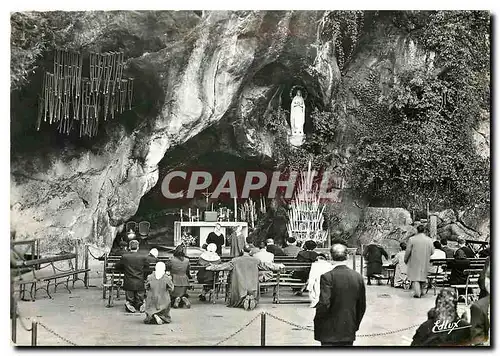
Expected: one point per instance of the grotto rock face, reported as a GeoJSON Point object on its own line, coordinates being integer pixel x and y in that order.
{"type": "Point", "coordinates": [191, 72]}
{"type": "Point", "coordinates": [199, 66]}
{"type": "Point", "coordinates": [387, 226]}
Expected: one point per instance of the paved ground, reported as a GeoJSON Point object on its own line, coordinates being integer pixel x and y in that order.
{"type": "Point", "coordinates": [82, 318]}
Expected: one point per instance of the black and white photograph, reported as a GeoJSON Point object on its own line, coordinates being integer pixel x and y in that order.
{"type": "Point", "coordinates": [250, 178]}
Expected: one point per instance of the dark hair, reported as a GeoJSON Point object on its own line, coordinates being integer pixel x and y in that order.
{"type": "Point", "coordinates": [338, 252]}
{"type": "Point", "coordinates": [248, 240]}
{"type": "Point", "coordinates": [461, 241]}
{"type": "Point", "coordinates": [246, 248]}
{"type": "Point", "coordinates": [310, 245]}
{"type": "Point", "coordinates": [444, 241]}
{"type": "Point", "coordinates": [437, 244]}
{"type": "Point", "coordinates": [431, 314]}
{"type": "Point", "coordinates": [179, 252]}
{"type": "Point", "coordinates": [420, 229]}
{"type": "Point", "coordinates": [262, 244]}
{"type": "Point", "coordinates": [402, 245]}
{"type": "Point", "coordinates": [291, 240]}
{"type": "Point", "coordinates": [204, 246]}
{"type": "Point", "coordinates": [321, 255]}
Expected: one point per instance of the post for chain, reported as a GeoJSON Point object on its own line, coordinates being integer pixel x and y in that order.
{"type": "Point", "coordinates": [263, 329]}
{"type": "Point", "coordinates": [34, 325]}
{"type": "Point", "coordinates": [361, 267]}
{"type": "Point", "coordinates": [86, 266]}
{"type": "Point", "coordinates": [14, 320]}
{"type": "Point", "coordinates": [354, 260]}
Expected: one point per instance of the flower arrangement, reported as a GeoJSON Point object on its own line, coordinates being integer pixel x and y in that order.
{"type": "Point", "coordinates": [188, 239]}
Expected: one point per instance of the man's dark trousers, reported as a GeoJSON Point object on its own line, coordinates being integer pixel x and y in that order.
{"type": "Point", "coordinates": [135, 297]}
{"type": "Point", "coordinates": [339, 343]}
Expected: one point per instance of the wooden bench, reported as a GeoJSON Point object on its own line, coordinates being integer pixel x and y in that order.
{"type": "Point", "coordinates": [36, 264]}
{"type": "Point", "coordinates": [471, 286]}
{"type": "Point", "coordinates": [440, 278]}
{"type": "Point", "coordinates": [285, 279]}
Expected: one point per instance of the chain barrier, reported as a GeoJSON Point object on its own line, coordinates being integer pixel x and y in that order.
{"type": "Point", "coordinates": [91, 254]}
{"type": "Point", "coordinates": [63, 270]}
{"type": "Point", "coordinates": [20, 317]}
{"type": "Point", "coordinates": [56, 334]}
{"type": "Point", "coordinates": [389, 332]}
{"type": "Point", "coordinates": [362, 335]}
{"type": "Point", "coordinates": [238, 331]}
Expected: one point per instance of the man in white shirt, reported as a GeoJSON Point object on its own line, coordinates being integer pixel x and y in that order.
{"type": "Point", "coordinates": [264, 256]}
{"type": "Point", "coordinates": [318, 268]}
{"type": "Point", "coordinates": [438, 254]}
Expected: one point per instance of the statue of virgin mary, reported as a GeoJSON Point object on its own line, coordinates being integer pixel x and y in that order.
{"type": "Point", "coordinates": [297, 114]}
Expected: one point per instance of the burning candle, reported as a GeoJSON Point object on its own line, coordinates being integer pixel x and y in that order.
{"type": "Point", "coordinates": [235, 210]}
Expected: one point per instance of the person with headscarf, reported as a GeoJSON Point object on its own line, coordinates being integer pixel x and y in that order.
{"type": "Point", "coordinates": [400, 270]}
{"type": "Point", "coordinates": [152, 259]}
{"type": "Point", "coordinates": [373, 255]}
{"type": "Point", "coordinates": [158, 288]}
{"type": "Point", "coordinates": [205, 277]}
{"type": "Point", "coordinates": [237, 242]}
{"type": "Point", "coordinates": [443, 327]}
{"type": "Point", "coordinates": [178, 266]}
{"type": "Point", "coordinates": [244, 285]}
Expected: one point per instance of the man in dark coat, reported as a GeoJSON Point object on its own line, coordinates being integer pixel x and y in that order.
{"type": "Point", "coordinates": [342, 302]}
{"type": "Point", "coordinates": [133, 265]}
{"type": "Point", "coordinates": [272, 248]}
{"type": "Point", "coordinates": [480, 314]}
{"type": "Point", "coordinates": [467, 250]}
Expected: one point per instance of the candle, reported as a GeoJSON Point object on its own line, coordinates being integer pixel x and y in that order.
{"type": "Point", "coordinates": [198, 214]}
{"type": "Point", "coordinates": [235, 210]}
{"type": "Point", "coordinates": [212, 206]}
{"type": "Point", "coordinates": [181, 215]}
{"type": "Point", "coordinates": [189, 214]}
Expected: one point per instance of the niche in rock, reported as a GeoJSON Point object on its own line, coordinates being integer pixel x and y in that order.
{"type": "Point", "coordinates": [287, 81]}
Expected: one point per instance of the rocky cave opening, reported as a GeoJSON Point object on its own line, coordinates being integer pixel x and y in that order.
{"type": "Point", "coordinates": [211, 151]}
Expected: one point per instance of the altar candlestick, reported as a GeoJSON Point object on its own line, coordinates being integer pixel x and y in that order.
{"type": "Point", "coordinates": [189, 214]}
{"type": "Point", "coordinates": [181, 215]}
{"type": "Point", "coordinates": [235, 210]}
{"type": "Point", "coordinates": [198, 214]}
{"type": "Point", "coordinates": [212, 206]}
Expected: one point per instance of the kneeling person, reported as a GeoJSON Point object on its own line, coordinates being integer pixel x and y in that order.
{"type": "Point", "coordinates": [158, 287]}
{"type": "Point", "coordinates": [244, 278]}
{"type": "Point", "coordinates": [133, 265]}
